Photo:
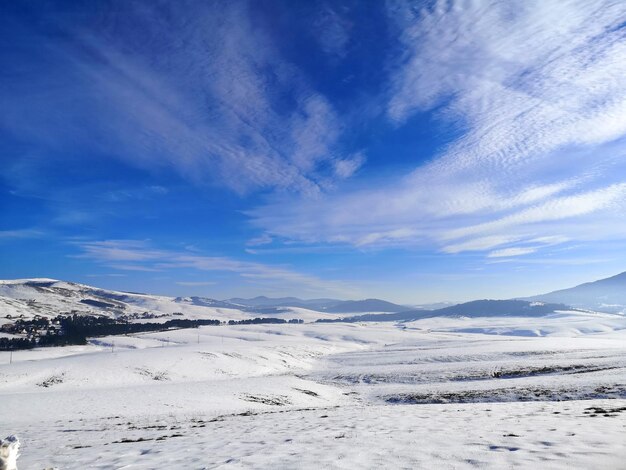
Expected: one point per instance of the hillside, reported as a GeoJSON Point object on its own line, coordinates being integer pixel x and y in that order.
{"type": "Point", "coordinates": [367, 305]}
{"type": "Point", "coordinates": [302, 397]}
{"type": "Point", "coordinates": [605, 295]}
{"type": "Point", "coordinates": [26, 298]}
{"type": "Point", "coordinates": [321, 305]}
{"type": "Point", "coordinates": [271, 302]}
{"type": "Point", "coordinates": [473, 309]}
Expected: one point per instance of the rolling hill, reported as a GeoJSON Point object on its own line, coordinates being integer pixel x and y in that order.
{"type": "Point", "coordinates": [25, 298]}
{"type": "Point", "coordinates": [473, 309]}
{"type": "Point", "coordinates": [605, 295]}
{"type": "Point", "coordinates": [322, 305]}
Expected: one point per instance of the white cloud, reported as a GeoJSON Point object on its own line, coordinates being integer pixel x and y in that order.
{"type": "Point", "coordinates": [345, 168]}
{"type": "Point", "coordinates": [205, 92]}
{"type": "Point", "coordinates": [138, 255]}
{"type": "Point", "coordinates": [551, 210]}
{"type": "Point", "coordinates": [508, 252]}
{"type": "Point", "coordinates": [539, 92]}
{"type": "Point", "coordinates": [480, 244]}
{"type": "Point", "coordinates": [385, 237]}
{"type": "Point", "coordinates": [120, 250]}
{"type": "Point", "coordinates": [133, 267]}
{"type": "Point", "coordinates": [332, 32]}
{"type": "Point", "coordinates": [264, 239]}
{"type": "Point", "coordinates": [20, 233]}
{"type": "Point", "coordinates": [195, 283]}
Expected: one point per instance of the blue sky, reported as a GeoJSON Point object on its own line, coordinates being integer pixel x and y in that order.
{"type": "Point", "coordinates": [414, 151]}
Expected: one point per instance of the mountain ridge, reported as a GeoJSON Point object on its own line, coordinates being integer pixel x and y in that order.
{"type": "Point", "coordinates": [50, 297]}
{"type": "Point", "coordinates": [605, 295]}
{"type": "Point", "coordinates": [321, 305]}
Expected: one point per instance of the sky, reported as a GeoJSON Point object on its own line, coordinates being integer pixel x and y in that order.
{"type": "Point", "coordinates": [412, 151]}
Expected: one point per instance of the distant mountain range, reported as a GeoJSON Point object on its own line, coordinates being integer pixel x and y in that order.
{"type": "Point", "coordinates": [475, 308]}
{"type": "Point", "coordinates": [206, 302]}
{"type": "Point", "coordinates": [322, 305]}
{"type": "Point", "coordinates": [49, 297]}
{"type": "Point", "coordinates": [262, 301]}
{"type": "Point", "coordinates": [606, 295]}
{"type": "Point", "coordinates": [26, 298]}
{"type": "Point", "coordinates": [264, 304]}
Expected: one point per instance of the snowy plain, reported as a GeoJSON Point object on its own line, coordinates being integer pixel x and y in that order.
{"type": "Point", "coordinates": [545, 392]}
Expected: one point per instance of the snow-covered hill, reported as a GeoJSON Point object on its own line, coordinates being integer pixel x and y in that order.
{"type": "Point", "coordinates": [605, 295]}
{"type": "Point", "coordinates": [49, 297]}
{"type": "Point", "coordinates": [322, 305]}
{"type": "Point", "coordinates": [258, 395]}
{"type": "Point", "coordinates": [433, 393]}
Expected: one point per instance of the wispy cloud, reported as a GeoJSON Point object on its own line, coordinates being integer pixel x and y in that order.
{"type": "Point", "coordinates": [346, 167]}
{"type": "Point", "coordinates": [553, 68]}
{"type": "Point", "coordinates": [445, 127]}
{"type": "Point", "coordinates": [551, 210]}
{"type": "Point", "coordinates": [264, 239]}
{"type": "Point", "coordinates": [133, 267]}
{"type": "Point", "coordinates": [480, 243]}
{"type": "Point", "coordinates": [509, 252]}
{"type": "Point", "coordinates": [537, 92]}
{"type": "Point", "coordinates": [20, 233]}
{"type": "Point", "coordinates": [120, 250]}
{"type": "Point", "coordinates": [107, 275]}
{"type": "Point", "coordinates": [205, 92]}
{"type": "Point", "coordinates": [332, 31]}
{"type": "Point", "coordinates": [195, 283]}
{"type": "Point", "coordinates": [138, 255]}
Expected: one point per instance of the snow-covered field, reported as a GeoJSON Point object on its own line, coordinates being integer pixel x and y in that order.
{"type": "Point", "coordinates": [436, 393]}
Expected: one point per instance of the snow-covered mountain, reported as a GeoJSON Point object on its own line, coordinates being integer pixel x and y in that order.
{"type": "Point", "coordinates": [26, 298]}
{"type": "Point", "coordinates": [50, 297]}
{"type": "Point", "coordinates": [322, 305]}
{"type": "Point", "coordinates": [367, 305]}
{"type": "Point", "coordinates": [524, 373]}
{"type": "Point", "coordinates": [473, 309]}
{"type": "Point", "coordinates": [270, 302]}
{"type": "Point", "coordinates": [605, 295]}
{"type": "Point", "coordinates": [206, 302]}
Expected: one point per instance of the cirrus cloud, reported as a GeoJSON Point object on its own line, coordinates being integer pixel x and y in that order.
{"type": "Point", "coordinates": [537, 91]}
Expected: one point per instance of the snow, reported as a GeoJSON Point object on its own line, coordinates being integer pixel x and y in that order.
{"type": "Point", "coordinates": [565, 323]}
{"type": "Point", "coordinates": [555, 435]}
{"type": "Point", "coordinates": [9, 453]}
{"type": "Point", "coordinates": [49, 298]}
{"type": "Point", "coordinates": [436, 393]}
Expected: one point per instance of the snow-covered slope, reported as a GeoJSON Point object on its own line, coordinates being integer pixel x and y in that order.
{"type": "Point", "coordinates": [606, 295]}
{"type": "Point", "coordinates": [263, 301]}
{"type": "Point", "coordinates": [14, 308]}
{"type": "Point", "coordinates": [323, 305]}
{"type": "Point", "coordinates": [367, 305]}
{"type": "Point", "coordinates": [426, 394]}
{"type": "Point", "coordinates": [50, 297]}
